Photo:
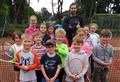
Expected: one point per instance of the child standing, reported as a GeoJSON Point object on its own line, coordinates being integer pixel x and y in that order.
{"type": "Point", "coordinates": [33, 25]}
{"type": "Point", "coordinates": [86, 42]}
{"type": "Point", "coordinates": [43, 30]}
{"type": "Point", "coordinates": [94, 36]}
{"type": "Point", "coordinates": [76, 53]}
{"type": "Point", "coordinates": [65, 39]}
{"type": "Point", "coordinates": [50, 63]}
{"type": "Point", "coordinates": [40, 50]}
{"type": "Point", "coordinates": [14, 48]}
{"type": "Point", "coordinates": [95, 40]}
{"type": "Point", "coordinates": [51, 31]}
{"type": "Point", "coordinates": [27, 59]}
{"type": "Point", "coordinates": [61, 49]}
{"type": "Point", "coordinates": [102, 57]}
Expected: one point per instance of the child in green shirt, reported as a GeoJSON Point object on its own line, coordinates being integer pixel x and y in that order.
{"type": "Point", "coordinates": [61, 49]}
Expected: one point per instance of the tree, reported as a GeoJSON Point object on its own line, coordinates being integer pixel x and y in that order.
{"type": "Point", "coordinates": [45, 13]}
{"type": "Point", "coordinates": [116, 6]}
{"type": "Point", "coordinates": [59, 11]}
{"type": "Point", "coordinates": [88, 8]}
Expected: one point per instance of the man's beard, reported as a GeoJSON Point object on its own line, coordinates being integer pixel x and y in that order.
{"type": "Point", "coordinates": [73, 13]}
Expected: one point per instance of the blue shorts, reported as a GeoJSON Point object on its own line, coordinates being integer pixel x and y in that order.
{"type": "Point", "coordinates": [43, 80]}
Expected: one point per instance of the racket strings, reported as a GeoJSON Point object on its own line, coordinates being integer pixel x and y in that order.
{"type": "Point", "coordinates": [7, 49]}
{"type": "Point", "coordinates": [115, 65]}
{"type": "Point", "coordinates": [75, 66]}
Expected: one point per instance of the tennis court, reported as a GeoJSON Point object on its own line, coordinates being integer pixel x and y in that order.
{"type": "Point", "coordinates": [7, 73]}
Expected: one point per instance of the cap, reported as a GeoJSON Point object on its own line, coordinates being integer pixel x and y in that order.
{"type": "Point", "coordinates": [58, 25]}
{"type": "Point", "coordinates": [50, 42]}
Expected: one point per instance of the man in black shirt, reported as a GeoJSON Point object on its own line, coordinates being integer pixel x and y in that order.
{"type": "Point", "coordinates": [72, 22]}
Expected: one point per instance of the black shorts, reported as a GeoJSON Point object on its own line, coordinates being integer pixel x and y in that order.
{"type": "Point", "coordinates": [16, 69]}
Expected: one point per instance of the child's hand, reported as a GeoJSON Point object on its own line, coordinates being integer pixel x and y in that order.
{"type": "Point", "coordinates": [78, 25]}
{"type": "Point", "coordinates": [47, 79]}
{"type": "Point", "coordinates": [24, 67]}
{"type": "Point", "coordinates": [76, 78]}
{"type": "Point", "coordinates": [72, 76]}
{"type": "Point", "coordinates": [52, 79]}
{"type": "Point", "coordinates": [104, 63]}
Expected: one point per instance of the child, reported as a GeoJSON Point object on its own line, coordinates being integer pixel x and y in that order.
{"type": "Point", "coordinates": [76, 53]}
{"type": "Point", "coordinates": [50, 63]}
{"type": "Point", "coordinates": [40, 50]}
{"type": "Point", "coordinates": [65, 39]}
{"type": "Point", "coordinates": [95, 40]}
{"type": "Point", "coordinates": [102, 57]}
{"type": "Point", "coordinates": [86, 42]}
{"type": "Point", "coordinates": [33, 25]}
{"type": "Point", "coordinates": [51, 31]}
{"type": "Point", "coordinates": [94, 36]}
{"type": "Point", "coordinates": [27, 59]}
{"type": "Point", "coordinates": [14, 48]}
{"type": "Point", "coordinates": [61, 49]}
{"type": "Point", "coordinates": [43, 30]}
{"type": "Point", "coordinates": [88, 39]}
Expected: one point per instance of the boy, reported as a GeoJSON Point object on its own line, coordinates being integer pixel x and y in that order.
{"type": "Point", "coordinates": [40, 50]}
{"type": "Point", "coordinates": [76, 53]}
{"type": "Point", "coordinates": [102, 57]}
{"type": "Point", "coordinates": [27, 60]}
{"type": "Point", "coordinates": [61, 49]}
{"type": "Point", "coordinates": [50, 63]}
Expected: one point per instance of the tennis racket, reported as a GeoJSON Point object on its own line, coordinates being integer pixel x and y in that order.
{"type": "Point", "coordinates": [78, 66]}
{"type": "Point", "coordinates": [7, 53]}
{"type": "Point", "coordinates": [7, 49]}
{"type": "Point", "coordinates": [115, 65]}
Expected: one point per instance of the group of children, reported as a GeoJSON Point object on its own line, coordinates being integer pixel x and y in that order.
{"type": "Point", "coordinates": [43, 53]}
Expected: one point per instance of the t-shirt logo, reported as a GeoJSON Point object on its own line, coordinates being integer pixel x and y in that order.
{"type": "Point", "coordinates": [50, 64]}
{"type": "Point", "coordinates": [25, 62]}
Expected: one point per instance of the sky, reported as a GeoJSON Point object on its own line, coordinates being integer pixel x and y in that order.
{"type": "Point", "coordinates": [47, 4]}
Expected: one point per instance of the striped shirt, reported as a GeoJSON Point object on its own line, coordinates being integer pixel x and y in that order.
{"type": "Point", "coordinates": [40, 52]}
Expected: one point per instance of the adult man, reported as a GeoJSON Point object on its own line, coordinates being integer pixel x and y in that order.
{"type": "Point", "coordinates": [72, 22]}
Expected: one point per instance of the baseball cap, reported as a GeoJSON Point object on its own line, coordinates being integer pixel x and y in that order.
{"type": "Point", "coordinates": [50, 42]}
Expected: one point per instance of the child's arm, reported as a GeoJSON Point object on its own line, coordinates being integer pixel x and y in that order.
{"type": "Point", "coordinates": [63, 50]}
{"type": "Point", "coordinates": [94, 56]}
{"type": "Point", "coordinates": [66, 65]}
{"type": "Point", "coordinates": [44, 74]}
{"type": "Point", "coordinates": [56, 74]}
{"type": "Point", "coordinates": [111, 55]}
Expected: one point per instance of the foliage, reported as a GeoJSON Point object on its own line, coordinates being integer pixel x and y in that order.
{"type": "Point", "coordinates": [88, 8]}
{"type": "Point", "coordinates": [111, 21]}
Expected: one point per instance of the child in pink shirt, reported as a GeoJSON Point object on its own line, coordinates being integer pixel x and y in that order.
{"type": "Point", "coordinates": [86, 47]}
{"type": "Point", "coordinates": [33, 25]}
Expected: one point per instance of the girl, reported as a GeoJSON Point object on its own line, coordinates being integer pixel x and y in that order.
{"type": "Point", "coordinates": [14, 48]}
{"type": "Point", "coordinates": [43, 30]}
{"type": "Point", "coordinates": [51, 31]}
{"type": "Point", "coordinates": [86, 47]}
{"type": "Point", "coordinates": [33, 25]}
